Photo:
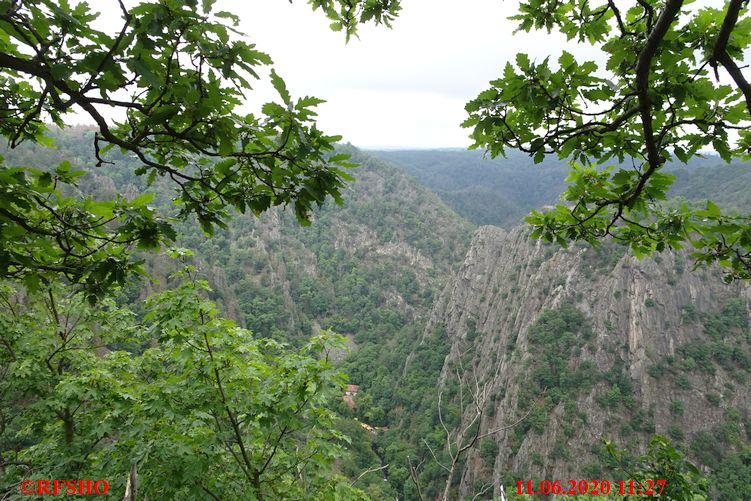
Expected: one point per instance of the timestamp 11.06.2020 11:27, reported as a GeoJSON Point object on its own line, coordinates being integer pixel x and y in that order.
{"type": "Point", "coordinates": [572, 487]}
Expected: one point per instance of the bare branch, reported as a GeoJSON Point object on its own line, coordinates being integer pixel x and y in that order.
{"type": "Point", "coordinates": [435, 458]}
{"type": "Point", "coordinates": [485, 488]}
{"type": "Point", "coordinates": [506, 427]}
{"type": "Point", "coordinates": [618, 18]}
{"type": "Point", "coordinates": [443, 425]}
{"type": "Point", "coordinates": [414, 475]}
{"type": "Point", "coordinates": [369, 470]}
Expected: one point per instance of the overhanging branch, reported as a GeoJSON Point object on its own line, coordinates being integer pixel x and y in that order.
{"type": "Point", "coordinates": [720, 54]}
{"type": "Point", "coordinates": [643, 66]}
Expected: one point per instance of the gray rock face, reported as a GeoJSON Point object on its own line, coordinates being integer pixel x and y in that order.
{"type": "Point", "coordinates": [638, 313]}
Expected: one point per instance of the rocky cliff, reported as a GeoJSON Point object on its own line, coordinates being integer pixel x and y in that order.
{"type": "Point", "coordinates": [592, 343]}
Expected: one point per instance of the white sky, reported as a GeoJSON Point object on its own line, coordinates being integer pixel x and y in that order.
{"type": "Point", "coordinates": [404, 87]}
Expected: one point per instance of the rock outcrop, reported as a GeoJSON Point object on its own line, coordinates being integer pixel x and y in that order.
{"type": "Point", "coordinates": [642, 315]}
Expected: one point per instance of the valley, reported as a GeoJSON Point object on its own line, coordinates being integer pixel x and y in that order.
{"type": "Point", "coordinates": [456, 324]}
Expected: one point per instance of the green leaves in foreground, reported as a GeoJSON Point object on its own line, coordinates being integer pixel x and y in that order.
{"type": "Point", "coordinates": [45, 234]}
{"type": "Point", "coordinates": [661, 461]}
{"type": "Point", "coordinates": [178, 73]}
{"type": "Point", "coordinates": [658, 97]}
{"type": "Point", "coordinates": [202, 407]}
{"type": "Point", "coordinates": [346, 15]}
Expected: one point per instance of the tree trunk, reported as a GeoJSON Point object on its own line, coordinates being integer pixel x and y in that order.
{"type": "Point", "coordinates": [68, 427]}
{"type": "Point", "coordinates": [131, 486]}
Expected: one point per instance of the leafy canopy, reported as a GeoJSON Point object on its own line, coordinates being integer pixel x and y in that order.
{"type": "Point", "coordinates": [203, 407]}
{"type": "Point", "coordinates": [177, 72]}
{"type": "Point", "coordinates": [200, 406]}
{"type": "Point", "coordinates": [670, 87]}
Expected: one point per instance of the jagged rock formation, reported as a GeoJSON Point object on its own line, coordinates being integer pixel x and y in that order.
{"type": "Point", "coordinates": [661, 356]}
{"type": "Point", "coordinates": [389, 226]}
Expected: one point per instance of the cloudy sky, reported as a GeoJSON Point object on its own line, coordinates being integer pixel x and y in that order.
{"type": "Point", "coordinates": [399, 87]}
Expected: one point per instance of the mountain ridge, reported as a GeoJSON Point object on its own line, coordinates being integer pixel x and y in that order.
{"type": "Point", "coordinates": [639, 323]}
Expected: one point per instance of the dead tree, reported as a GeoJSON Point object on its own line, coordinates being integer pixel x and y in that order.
{"type": "Point", "coordinates": [131, 486]}
{"type": "Point", "coordinates": [473, 401]}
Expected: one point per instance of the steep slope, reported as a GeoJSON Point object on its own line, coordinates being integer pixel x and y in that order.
{"type": "Point", "coordinates": [727, 185]}
{"type": "Point", "coordinates": [612, 347]}
{"type": "Point", "coordinates": [369, 270]}
{"type": "Point", "coordinates": [622, 348]}
{"type": "Point", "coordinates": [366, 268]}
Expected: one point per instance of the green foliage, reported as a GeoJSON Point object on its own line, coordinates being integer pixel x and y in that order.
{"type": "Point", "coordinates": [732, 320]}
{"type": "Point", "coordinates": [258, 261]}
{"type": "Point", "coordinates": [706, 448]}
{"type": "Point", "coordinates": [724, 345]}
{"type": "Point", "coordinates": [185, 71]}
{"type": "Point", "coordinates": [689, 313]}
{"type": "Point", "coordinates": [49, 234]}
{"type": "Point", "coordinates": [654, 99]}
{"type": "Point", "coordinates": [675, 433]}
{"type": "Point", "coordinates": [200, 405]}
{"type": "Point", "coordinates": [676, 407]}
{"type": "Point", "coordinates": [713, 398]}
{"type": "Point", "coordinates": [731, 478]}
{"type": "Point", "coordinates": [484, 191]}
{"type": "Point", "coordinates": [683, 482]}
{"type": "Point", "coordinates": [346, 16]}
{"type": "Point", "coordinates": [553, 339]}
{"type": "Point", "coordinates": [489, 451]}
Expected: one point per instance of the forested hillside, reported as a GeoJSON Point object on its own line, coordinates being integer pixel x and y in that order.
{"type": "Point", "coordinates": [369, 270]}
{"type": "Point", "coordinates": [592, 344]}
{"type": "Point", "coordinates": [498, 192]}
{"type": "Point", "coordinates": [373, 270]}
{"type": "Point", "coordinates": [206, 295]}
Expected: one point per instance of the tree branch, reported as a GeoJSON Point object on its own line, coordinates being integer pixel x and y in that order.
{"type": "Point", "coordinates": [643, 66]}
{"type": "Point", "coordinates": [369, 470]}
{"type": "Point", "coordinates": [720, 54]}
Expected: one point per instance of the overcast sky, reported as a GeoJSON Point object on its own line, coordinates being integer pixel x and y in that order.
{"type": "Point", "coordinates": [404, 87]}
{"type": "Point", "coordinates": [399, 87]}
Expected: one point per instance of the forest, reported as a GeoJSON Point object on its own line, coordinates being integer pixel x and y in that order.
{"type": "Point", "coordinates": [197, 302]}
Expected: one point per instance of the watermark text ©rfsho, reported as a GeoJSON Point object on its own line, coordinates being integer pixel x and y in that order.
{"type": "Point", "coordinates": [64, 487]}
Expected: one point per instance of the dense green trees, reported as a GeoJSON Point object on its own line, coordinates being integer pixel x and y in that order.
{"type": "Point", "coordinates": [202, 407]}
{"type": "Point", "coordinates": [499, 192]}
{"type": "Point", "coordinates": [177, 71]}
{"type": "Point", "coordinates": [89, 389]}
{"type": "Point", "coordinates": [658, 97]}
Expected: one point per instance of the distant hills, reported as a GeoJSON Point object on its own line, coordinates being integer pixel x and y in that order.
{"type": "Point", "coordinates": [502, 191]}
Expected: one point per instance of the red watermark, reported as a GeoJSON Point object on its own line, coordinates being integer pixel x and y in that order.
{"type": "Point", "coordinates": [64, 487]}
{"type": "Point", "coordinates": [647, 487]}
